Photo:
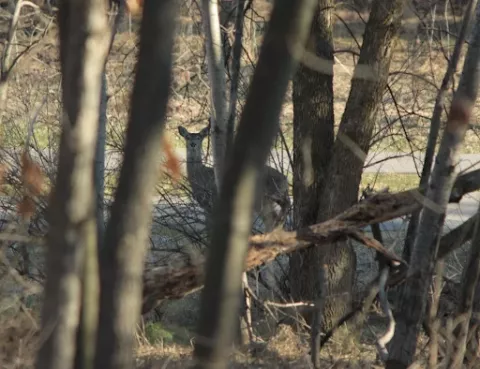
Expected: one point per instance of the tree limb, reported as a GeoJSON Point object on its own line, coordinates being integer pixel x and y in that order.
{"type": "Point", "coordinates": [173, 282]}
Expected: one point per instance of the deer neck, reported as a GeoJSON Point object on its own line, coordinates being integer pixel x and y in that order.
{"type": "Point", "coordinates": [194, 164]}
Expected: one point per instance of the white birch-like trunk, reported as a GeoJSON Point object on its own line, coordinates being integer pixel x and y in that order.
{"type": "Point", "coordinates": [216, 76]}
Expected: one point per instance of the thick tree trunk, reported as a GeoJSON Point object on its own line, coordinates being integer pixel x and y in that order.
{"type": "Point", "coordinates": [122, 255]}
{"type": "Point", "coordinates": [233, 214]}
{"type": "Point", "coordinates": [350, 149]}
{"type": "Point", "coordinates": [313, 139]}
{"type": "Point", "coordinates": [84, 37]}
{"type": "Point", "coordinates": [414, 293]}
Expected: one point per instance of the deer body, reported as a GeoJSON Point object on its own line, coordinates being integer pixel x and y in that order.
{"type": "Point", "coordinates": [272, 203]}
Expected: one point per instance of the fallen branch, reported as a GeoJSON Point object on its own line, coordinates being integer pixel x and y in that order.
{"type": "Point", "coordinates": [173, 282]}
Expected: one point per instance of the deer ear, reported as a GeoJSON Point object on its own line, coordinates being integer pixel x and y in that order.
{"type": "Point", "coordinates": [182, 131]}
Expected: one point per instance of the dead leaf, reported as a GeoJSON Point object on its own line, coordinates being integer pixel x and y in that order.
{"type": "Point", "coordinates": [32, 176]}
{"type": "Point", "coordinates": [134, 7]}
{"type": "Point", "coordinates": [26, 207]}
{"type": "Point", "coordinates": [3, 173]}
{"type": "Point", "coordinates": [172, 163]}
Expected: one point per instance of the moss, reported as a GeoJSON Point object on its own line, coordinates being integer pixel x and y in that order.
{"type": "Point", "coordinates": [156, 333]}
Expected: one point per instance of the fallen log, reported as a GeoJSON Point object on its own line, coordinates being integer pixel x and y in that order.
{"type": "Point", "coordinates": [176, 281]}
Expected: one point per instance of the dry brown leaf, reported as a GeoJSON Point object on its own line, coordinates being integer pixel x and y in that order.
{"type": "Point", "coordinates": [32, 176]}
{"type": "Point", "coordinates": [26, 207]}
{"type": "Point", "coordinates": [134, 7]}
{"type": "Point", "coordinates": [460, 114]}
{"type": "Point", "coordinates": [3, 173]}
{"type": "Point", "coordinates": [172, 163]}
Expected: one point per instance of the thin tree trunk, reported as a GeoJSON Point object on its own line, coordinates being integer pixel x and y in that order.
{"type": "Point", "coordinates": [99, 171]}
{"type": "Point", "coordinates": [470, 280]}
{"type": "Point", "coordinates": [236, 63]}
{"type": "Point", "coordinates": [469, 87]}
{"type": "Point", "coordinates": [313, 138]}
{"type": "Point", "coordinates": [258, 126]}
{"type": "Point", "coordinates": [414, 294]}
{"type": "Point", "coordinates": [435, 124]}
{"type": "Point", "coordinates": [83, 50]}
{"type": "Point", "coordinates": [87, 331]}
{"type": "Point", "coordinates": [218, 87]}
{"type": "Point", "coordinates": [122, 256]}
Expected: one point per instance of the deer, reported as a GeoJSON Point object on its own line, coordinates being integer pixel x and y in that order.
{"type": "Point", "coordinates": [271, 200]}
{"type": "Point", "coordinates": [272, 205]}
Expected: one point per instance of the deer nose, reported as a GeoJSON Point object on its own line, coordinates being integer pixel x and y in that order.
{"type": "Point", "coordinates": [192, 145]}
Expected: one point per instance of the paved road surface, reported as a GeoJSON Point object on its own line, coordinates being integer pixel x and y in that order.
{"type": "Point", "coordinates": [385, 162]}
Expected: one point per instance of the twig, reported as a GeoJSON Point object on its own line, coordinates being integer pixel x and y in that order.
{"type": "Point", "coordinates": [317, 318]}
{"type": "Point", "coordinates": [387, 336]}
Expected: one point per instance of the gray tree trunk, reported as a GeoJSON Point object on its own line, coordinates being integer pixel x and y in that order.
{"type": "Point", "coordinates": [84, 41]}
{"type": "Point", "coordinates": [469, 85]}
{"type": "Point", "coordinates": [435, 124]}
{"type": "Point", "coordinates": [99, 171]}
{"type": "Point", "coordinates": [258, 126]}
{"type": "Point", "coordinates": [414, 294]}
{"type": "Point", "coordinates": [218, 86]}
{"type": "Point", "coordinates": [313, 124]}
{"type": "Point", "coordinates": [236, 63]}
{"type": "Point", "coordinates": [122, 256]}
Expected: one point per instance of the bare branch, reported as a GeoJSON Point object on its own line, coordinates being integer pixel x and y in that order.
{"type": "Point", "coordinates": [177, 281]}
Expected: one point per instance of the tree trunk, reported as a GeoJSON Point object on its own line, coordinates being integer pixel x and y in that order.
{"type": "Point", "coordinates": [313, 139]}
{"type": "Point", "coordinates": [414, 293]}
{"type": "Point", "coordinates": [349, 153]}
{"type": "Point", "coordinates": [99, 171]}
{"type": "Point", "coordinates": [258, 126]}
{"type": "Point", "coordinates": [83, 50]}
{"type": "Point", "coordinates": [470, 281]}
{"type": "Point", "coordinates": [235, 77]}
{"type": "Point", "coordinates": [218, 87]}
{"type": "Point", "coordinates": [122, 256]}
{"type": "Point", "coordinates": [435, 126]}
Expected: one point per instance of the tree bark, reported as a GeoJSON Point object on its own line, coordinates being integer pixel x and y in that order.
{"type": "Point", "coordinates": [470, 281]}
{"type": "Point", "coordinates": [435, 124]}
{"type": "Point", "coordinates": [414, 293]}
{"type": "Point", "coordinates": [218, 86]}
{"type": "Point", "coordinates": [350, 149]}
{"type": "Point", "coordinates": [99, 171]}
{"type": "Point", "coordinates": [313, 124]}
{"type": "Point", "coordinates": [87, 330]}
{"type": "Point", "coordinates": [469, 87]}
{"type": "Point", "coordinates": [83, 50]}
{"type": "Point", "coordinates": [233, 214]}
{"type": "Point", "coordinates": [236, 63]}
{"type": "Point", "coordinates": [122, 256]}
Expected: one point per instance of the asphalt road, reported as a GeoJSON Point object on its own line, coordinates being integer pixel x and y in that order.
{"type": "Point", "coordinates": [385, 162]}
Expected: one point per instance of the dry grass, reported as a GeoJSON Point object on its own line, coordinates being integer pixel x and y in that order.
{"type": "Point", "coordinates": [285, 349]}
